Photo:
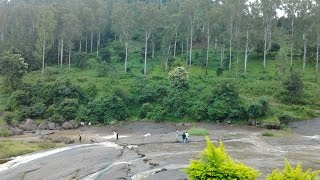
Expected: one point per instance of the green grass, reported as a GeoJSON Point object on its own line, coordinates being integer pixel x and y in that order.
{"type": "Point", "coordinates": [198, 131]}
{"type": "Point", "coordinates": [9, 148]}
{"type": "Point", "coordinates": [267, 133]}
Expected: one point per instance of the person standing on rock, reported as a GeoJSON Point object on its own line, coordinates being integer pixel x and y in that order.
{"type": "Point", "coordinates": [177, 135]}
{"type": "Point", "coordinates": [187, 137]}
{"type": "Point", "coordinates": [117, 134]}
{"type": "Point", "coordinates": [184, 137]}
{"type": "Point", "coordinates": [79, 139]}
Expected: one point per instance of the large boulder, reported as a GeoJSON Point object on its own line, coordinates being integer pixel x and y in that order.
{"type": "Point", "coordinates": [70, 125]}
{"type": "Point", "coordinates": [43, 126]}
{"type": "Point", "coordinates": [51, 126]}
{"type": "Point", "coordinates": [29, 125]}
{"type": "Point", "coordinates": [15, 131]}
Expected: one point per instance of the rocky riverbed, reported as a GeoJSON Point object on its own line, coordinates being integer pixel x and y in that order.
{"type": "Point", "coordinates": [158, 156]}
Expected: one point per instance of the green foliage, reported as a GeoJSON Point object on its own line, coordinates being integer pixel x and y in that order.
{"type": "Point", "coordinates": [68, 108]}
{"type": "Point", "coordinates": [292, 88]}
{"type": "Point", "coordinates": [296, 173]}
{"type": "Point", "coordinates": [179, 77]}
{"type": "Point", "coordinates": [219, 71]}
{"type": "Point", "coordinates": [146, 108]}
{"type": "Point", "coordinates": [286, 117]}
{"type": "Point", "coordinates": [259, 108]}
{"type": "Point", "coordinates": [4, 132]}
{"type": "Point", "coordinates": [267, 133]}
{"type": "Point", "coordinates": [198, 131]}
{"type": "Point", "coordinates": [223, 102]}
{"type": "Point", "coordinates": [81, 60]}
{"type": "Point", "coordinates": [8, 118]}
{"type": "Point", "coordinates": [12, 67]}
{"type": "Point", "coordinates": [215, 163]}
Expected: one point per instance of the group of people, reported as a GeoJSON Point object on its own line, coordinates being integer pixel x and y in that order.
{"type": "Point", "coordinates": [185, 136]}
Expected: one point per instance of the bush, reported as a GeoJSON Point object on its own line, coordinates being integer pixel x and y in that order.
{"type": "Point", "coordinates": [4, 132]}
{"type": "Point", "coordinates": [145, 109]}
{"type": "Point", "coordinates": [259, 108]}
{"type": "Point", "coordinates": [219, 71]}
{"type": "Point", "coordinates": [267, 133]}
{"type": "Point", "coordinates": [179, 77]}
{"type": "Point", "coordinates": [286, 117]}
{"type": "Point", "coordinates": [8, 118]}
{"type": "Point", "coordinates": [292, 88]}
{"type": "Point", "coordinates": [198, 131]}
{"type": "Point", "coordinates": [290, 172]}
{"type": "Point", "coordinates": [214, 163]}
{"type": "Point", "coordinates": [68, 108]}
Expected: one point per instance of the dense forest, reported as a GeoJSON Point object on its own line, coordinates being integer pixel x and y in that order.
{"type": "Point", "coordinates": [105, 60]}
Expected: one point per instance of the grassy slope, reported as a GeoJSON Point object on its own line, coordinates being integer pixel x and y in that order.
{"type": "Point", "coordinates": [256, 84]}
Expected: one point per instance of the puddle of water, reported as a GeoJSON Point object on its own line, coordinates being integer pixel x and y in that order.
{"type": "Point", "coordinates": [111, 137]}
{"type": "Point", "coordinates": [313, 137]}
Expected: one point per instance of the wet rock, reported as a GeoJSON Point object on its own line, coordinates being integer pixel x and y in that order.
{"type": "Point", "coordinates": [161, 170]}
{"type": "Point", "coordinates": [51, 126]}
{"type": "Point", "coordinates": [271, 126]}
{"type": "Point", "coordinates": [15, 131]}
{"type": "Point", "coordinates": [153, 164]}
{"type": "Point", "coordinates": [29, 125]}
{"type": "Point", "coordinates": [43, 126]}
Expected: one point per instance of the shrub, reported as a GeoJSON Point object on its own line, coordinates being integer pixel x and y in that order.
{"type": "Point", "coordinates": [4, 132]}
{"type": "Point", "coordinates": [290, 172]}
{"type": "Point", "coordinates": [286, 117]}
{"type": "Point", "coordinates": [145, 109]}
{"type": "Point", "coordinates": [292, 88]}
{"type": "Point", "coordinates": [179, 77]}
{"type": "Point", "coordinates": [68, 108]}
{"type": "Point", "coordinates": [215, 163]}
{"type": "Point", "coordinates": [198, 131]}
{"type": "Point", "coordinates": [259, 108]}
{"type": "Point", "coordinates": [267, 133]}
{"type": "Point", "coordinates": [219, 71]}
{"type": "Point", "coordinates": [8, 118]}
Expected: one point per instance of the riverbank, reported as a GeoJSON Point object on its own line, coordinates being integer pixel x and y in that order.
{"type": "Point", "coordinates": [158, 155]}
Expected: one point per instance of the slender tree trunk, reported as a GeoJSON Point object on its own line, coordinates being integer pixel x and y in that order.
{"type": "Point", "coordinates": [222, 56]}
{"type": "Point", "coordinates": [153, 50]}
{"type": "Point", "coordinates": [304, 52]}
{"type": "Point", "coordinates": [91, 46]}
{"type": "Point", "coordinates": [1, 36]}
{"type": "Point", "coordinates": [317, 60]}
{"type": "Point", "coordinates": [191, 36]}
{"type": "Point", "coordinates": [291, 51]}
{"type": "Point", "coordinates": [187, 52]}
{"type": "Point", "coordinates": [145, 52]}
{"type": "Point", "coordinates": [86, 44]}
{"type": "Point", "coordinates": [43, 51]}
{"type": "Point", "coordinates": [265, 51]}
{"type": "Point", "coordinates": [61, 52]}
{"type": "Point", "coordinates": [98, 43]}
{"type": "Point", "coordinates": [80, 45]}
{"type": "Point", "coordinates": [215, 46]}
{"type": "Point", "coordinates": [182, 49]}
{"type": "Point", "coordinates": [69, 58]}
{"type": "Point", "coordinates": [246, 54]}
{"type": "Point", "coordinates": [58, 51]}
{"type": "Point", "coordinates": [175, 45]}
{"type": "Point", "coordinates": [126, 60]}
{"type": "Point", "coordinates": [230, 48]}
{"type": "Point", "coordinates": [167, 58]}
{"type": "Point", "coordinates": [208, 48]}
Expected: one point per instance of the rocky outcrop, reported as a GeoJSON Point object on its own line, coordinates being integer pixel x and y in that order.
{"type": "Point", "coordinates": [70, 125]}
{"type": "Point", "coordinates": [29, 125]}
{"type": "Point", "coordinates": [43, 126]}
{"type": "Point", "coordinates": [51, 126]}
{"type": "Point", "coordinates": [15, 131]}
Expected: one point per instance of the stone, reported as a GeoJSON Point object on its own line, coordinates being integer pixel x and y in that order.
{"type": "Point", "coordinates": [29, 125]}
{"type": "Point", "coordinates": [43, 126]}
{"type": "Point", "coordinates": [62, 139]}
{"type": "Point", "coordinates": [15, 131]}
{"type": "Point", "coordinates": [51, 126]}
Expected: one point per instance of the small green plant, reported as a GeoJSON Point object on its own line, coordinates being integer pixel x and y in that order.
{"type": "Point", "coordinates": [290, 172]}
{"type": "Point", "coordinates": [4, 132]}
{"type": "Point", "coordinates": [198, 131]}
{"type": "Point", "coordinates": [267, 133]}
{"type": "Point", "coordinates": [215, 163]}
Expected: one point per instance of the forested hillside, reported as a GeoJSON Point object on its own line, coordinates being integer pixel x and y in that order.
{"type": "Point", "coordinates": [104, 60]}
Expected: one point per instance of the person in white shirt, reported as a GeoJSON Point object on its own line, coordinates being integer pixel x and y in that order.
{"type": "Point", "coordinates": [187, 137]}
{"type": "Point", "coordinates": [177, 135]}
